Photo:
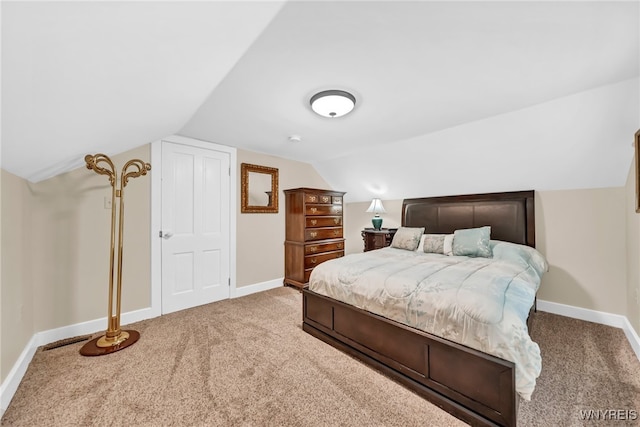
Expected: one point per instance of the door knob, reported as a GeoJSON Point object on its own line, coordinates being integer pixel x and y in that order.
{"type": "Point", "coordinates": [166, 234]}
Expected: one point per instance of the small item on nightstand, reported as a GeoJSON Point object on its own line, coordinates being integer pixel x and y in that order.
{"type": "Point", "coordinates": [377, 208]}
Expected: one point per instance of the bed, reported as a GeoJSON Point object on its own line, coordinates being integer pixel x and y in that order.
{"type": "Point", "coordinates": [474, 386]}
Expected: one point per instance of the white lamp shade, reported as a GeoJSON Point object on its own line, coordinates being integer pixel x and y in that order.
{"type": "Point", "coordinates": [376, 207]}
{"type": "Point", "coordinates": [333, 103]}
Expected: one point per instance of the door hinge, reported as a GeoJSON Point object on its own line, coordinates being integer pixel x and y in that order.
{"type": "Point", "coordinates": [160, 233]}
{"type": "Point", "coordinates": [229, 281]}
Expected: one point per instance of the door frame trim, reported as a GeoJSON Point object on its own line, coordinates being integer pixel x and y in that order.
{"type": "Point", "coordinates": [156, 213]}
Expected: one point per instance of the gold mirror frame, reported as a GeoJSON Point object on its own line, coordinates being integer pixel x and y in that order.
{"type": "Point", "coordinates": [272, 206]}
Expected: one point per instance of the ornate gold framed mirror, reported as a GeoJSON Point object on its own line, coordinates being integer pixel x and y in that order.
{"type": "Point", "coordinates": [259, 189]}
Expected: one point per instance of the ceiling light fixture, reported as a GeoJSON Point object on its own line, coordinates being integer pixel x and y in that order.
{"type": "Point", "coordinates": [332, 103]}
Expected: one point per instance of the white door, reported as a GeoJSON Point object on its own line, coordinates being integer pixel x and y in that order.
{"type": "Point", "coordinates": [195, 226]}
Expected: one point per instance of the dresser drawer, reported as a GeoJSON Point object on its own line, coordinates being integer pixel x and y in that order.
{"type": "Point", "coordinates": [317, 248]}
{"type": "Point", "coordinates": [325, 221]}
{"type": "Point", "coordinates": [322, 233]}
{"type": "Point", "coordinates": [337, 200]}
{"type": "Point", "coordinates": [318, 198]}
{"type": "Point", "coordinates": [323, 210]}
{"type": "Point", "coordinates": [311, 261]}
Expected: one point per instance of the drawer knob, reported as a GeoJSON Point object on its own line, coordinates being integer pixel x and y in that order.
{"type": "Point", "coordinates": [314, 210]}
{"type": "Point", "coordinates": [313, 248]}
{"type": "Point", "coordinates": [326, 199]}
{"type": "Point", "coordinates": [313, 260]}
{"type": "Point", "coordinates": [313, 234]}
{"type": "Point", "coordinates": [336, 220]}
{"type": "Point", "coordinates": [312, 198]}
{"type": "Point", "coordinates": [336, 232]}
{"type": "Point", "coordinates": [314, 221]}
{"type": "Point", "coordinates": [339, 245]}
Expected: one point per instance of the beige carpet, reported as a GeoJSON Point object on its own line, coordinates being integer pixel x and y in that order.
{"type": "Point", "coordinates": [246, 362]}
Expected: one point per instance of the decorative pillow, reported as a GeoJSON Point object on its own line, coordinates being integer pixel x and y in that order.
{"type": "Point", "coordinates": [420, 247]}
{"type": "Point", "coordinates": [407, 238]}
{"type": "Point", "coordinates": [434, 243]}
{"type": "Point", "coordinates": [473, 242]}
{"type": "Point", "coordinates": [448, 245]}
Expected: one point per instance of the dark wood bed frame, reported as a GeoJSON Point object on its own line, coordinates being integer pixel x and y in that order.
{"type": "Point", "coordinates": [476, 387]}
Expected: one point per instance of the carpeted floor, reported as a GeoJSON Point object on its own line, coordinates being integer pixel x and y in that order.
{"type": "Point", "coordinates": [247, 362]}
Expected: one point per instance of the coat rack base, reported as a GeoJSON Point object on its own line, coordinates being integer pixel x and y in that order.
{"type": "Point", "coordinates": [93, 349]}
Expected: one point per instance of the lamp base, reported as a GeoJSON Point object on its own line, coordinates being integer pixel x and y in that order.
{"type": "Point", "coordinates": [377, 222]}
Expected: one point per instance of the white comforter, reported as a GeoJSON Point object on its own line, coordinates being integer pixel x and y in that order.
{"type": "Point", "coordinates": [482, 303]}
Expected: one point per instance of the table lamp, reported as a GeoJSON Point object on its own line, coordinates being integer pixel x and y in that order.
{"type": "Point", "coordinates": [377, 208]}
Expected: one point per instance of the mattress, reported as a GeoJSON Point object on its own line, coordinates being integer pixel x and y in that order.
{"type": "Point", "coordinates": [482, 303]}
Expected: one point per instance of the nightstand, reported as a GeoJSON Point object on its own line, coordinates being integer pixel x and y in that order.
{"type": "Point", "coordinates": [376, 239]}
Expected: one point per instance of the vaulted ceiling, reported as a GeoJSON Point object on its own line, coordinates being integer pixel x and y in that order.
{"type": "Point", "coordinates": [451, 97]}
{"type": "Point", "coordinates": [81, 77]}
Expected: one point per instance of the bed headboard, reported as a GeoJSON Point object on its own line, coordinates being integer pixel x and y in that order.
{"type": "Point", "coordinates": [511, 215]}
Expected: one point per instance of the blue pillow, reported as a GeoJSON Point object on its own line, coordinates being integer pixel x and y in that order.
{"type": "Point", "coordinates": [473, 242]}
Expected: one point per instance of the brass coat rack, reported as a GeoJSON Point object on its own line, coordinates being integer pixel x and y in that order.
{"type": "Point", "coordinates": [114, 339]}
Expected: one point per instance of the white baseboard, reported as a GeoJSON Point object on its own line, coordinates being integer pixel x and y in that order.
{"type": "Point", "coordinates": [10, 384]}
{"type": "Point", "coordinates": [89, 327]}
{"type": "Point", "coordinates": [258, 287]}
{"type": "Point", "coordinates": [632, 337]}
{"type": "Point", "coordinates": [579, 313]}
{"type": "Point", "coordinates": [603, 318]}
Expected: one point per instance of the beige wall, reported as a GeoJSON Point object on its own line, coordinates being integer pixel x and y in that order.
{"type": "Point", "coordinates": [17, 292]}
{"type": "Point", "coordinates": [260, 237]}
{"type": "Point", "coordinates": [633, 251]}
{"type": "Point", "coordinates": [73, 238]}
{"type": "Point", "coordinates": [55, 244]}
{"type": "Point", "coordinates": [2, 369]}
{"type": "Point", "coordinates": [579, 231]}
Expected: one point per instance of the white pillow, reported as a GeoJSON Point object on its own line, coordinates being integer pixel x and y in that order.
{"type": "Point", "coordinates": [435, 244]}
{"type": "Point", "coordinates": [421, 244]}
{"type": "Point", "coordinates": [448, 244]}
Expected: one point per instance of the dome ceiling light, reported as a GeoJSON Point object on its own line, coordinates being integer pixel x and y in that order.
{"type": "Point", "coordinates": [332, 103]}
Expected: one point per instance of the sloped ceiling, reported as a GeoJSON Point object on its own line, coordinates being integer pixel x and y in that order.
{"type": "Point", "coordinates": [84, 77]}
{"type": "Point", "coordinates": [451, 97]}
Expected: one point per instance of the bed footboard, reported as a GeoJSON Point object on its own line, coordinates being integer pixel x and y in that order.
{"type": "Point", "coordinates": [473, 386]}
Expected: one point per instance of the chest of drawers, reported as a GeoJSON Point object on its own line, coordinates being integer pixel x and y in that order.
{"type": "Point", "coordinates": [314, 232]}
